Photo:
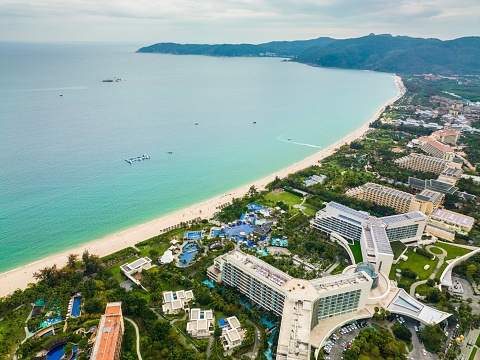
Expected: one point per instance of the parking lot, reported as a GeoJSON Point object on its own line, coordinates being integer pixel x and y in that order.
{"type": "Point", "coordinates": [343, 340]}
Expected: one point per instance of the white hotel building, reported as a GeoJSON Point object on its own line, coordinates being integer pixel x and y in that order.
{"type": "Point", "coordinates": [312, 309]}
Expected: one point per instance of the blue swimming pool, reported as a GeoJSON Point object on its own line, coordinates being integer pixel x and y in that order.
{"type": "Point", "coordinates": [209, 283]}
{"type": "Point", "coordinates": [270, 324]}
{"type": "Point", "coordinates": [245, 304]}
{"type": "Point", "coordinates": [188, 254]}
{"type": "Point", "coordinates": [194, 235]}
{"type": "Point", "coordinates": [279, 242]}
{"type": "Point", "coordinates": [239, 231]}
{"type": "Point", "coordinates": [50, 321]}
{"type": "Point", "coordinates": [246, 242]}
{"type": "Point", "coordinates": [222, 322]}
{"type": "Point", "coordinates": [262, 252]}
{"type": "Point", "coordinates": [269, 353]}
{"type": "Point", "coordinates": [77, 300]}
{"type": "Point", "coordinates": [57, 352]}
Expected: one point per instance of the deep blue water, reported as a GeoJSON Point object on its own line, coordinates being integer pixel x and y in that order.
{"type": "Point", "coordinates": [64, 180]}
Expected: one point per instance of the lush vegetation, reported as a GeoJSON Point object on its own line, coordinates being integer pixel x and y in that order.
{"type": "Point", "coordinates": [380, 344]}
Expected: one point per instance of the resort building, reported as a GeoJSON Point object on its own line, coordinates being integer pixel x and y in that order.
{"type": "Point", "coordinates": [260, 282]}
{"type": "Point", "coordinates": [312, 309]}
{"type": "Point", "coordinates": [450, 221]}
{"type": "Point", "coordinates": [131, 270]}
{"type": "Point", "coordinates": [200, 324]}
{"type": "Point", "coordinates": [110, 333]}
{"type": "Point", "coordinates": [174, 301]}
{"type": "Point", "coordinates": [436, 148]}
{"type": "Point", "coordinates": [401, 201]}
{"type": "Point", "coordinates": [439, 186]}
{"type": "Point", "coordinates": [315, 179]}
{"type": "Point", "coordinates": [232, 332]}
{"type": "Point", "coordinates": [424, 163]}
{"type": "Point", "coordinates": [450, 175]}
{"type": "Point", "coordinates": [446, 136]}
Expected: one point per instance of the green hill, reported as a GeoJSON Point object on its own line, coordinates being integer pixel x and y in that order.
{"type": "Point", "coordinates": [386, 53]}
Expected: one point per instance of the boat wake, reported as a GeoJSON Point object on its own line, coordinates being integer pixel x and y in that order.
{"type": "Point", "coordinates": [57, 89]}
{"type": "Point", "coordinates": [297, 143]}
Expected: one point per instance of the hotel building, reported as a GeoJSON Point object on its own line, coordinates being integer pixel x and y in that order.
{"type": "Point", "coordinates": [424, 163]}
{"type": "Point", "coordinates": [446, 136]}
{"type": "Point", "coordinates": [401, 201]}
{"type": "Point", "coordinates": [312, 309]}
{"type": "Point", "coordinates": [436, 148]}
{"type": "Point", "coordinates": [174, 301]}
{"type": "Point", "coordinates": [445, 224]}
{"type": "Point", "coordinates": [110, 333]}
{"type": "Point", "coordinates": [201, 323]}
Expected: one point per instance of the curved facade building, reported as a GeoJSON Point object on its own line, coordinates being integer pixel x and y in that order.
{"type": "Point", "coordinates": [370, 271]}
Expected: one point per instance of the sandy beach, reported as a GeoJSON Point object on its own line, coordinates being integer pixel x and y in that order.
{"type": "Point", "coordinates": [21, 277]}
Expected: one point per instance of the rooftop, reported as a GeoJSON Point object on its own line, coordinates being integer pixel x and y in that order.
{"type": "Point", "coordinates": [402, 217]}
{"type": "Point", "coordinates": [438, 144]}
{"type": "Point", "coordinates": [453, 217]}
{"type": "Point", "coordinates": [348, 210]}
{"type": "Point", "coordinates": [389, 191]}
{"type": "Point", "coordinates": [338, 281]}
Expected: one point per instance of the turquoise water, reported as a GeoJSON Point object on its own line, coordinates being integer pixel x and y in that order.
{"type": "Point", "coordinates": [64, 180]}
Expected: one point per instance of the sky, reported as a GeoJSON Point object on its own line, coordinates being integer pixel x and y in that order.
{"type": "Point", "coordinates": [232, 21]}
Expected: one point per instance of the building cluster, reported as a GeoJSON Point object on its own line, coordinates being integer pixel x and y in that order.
{"type": "Point", "coordinates": [201, 323]}
{"type": "Point", "coordinates": [174, 301]}
{"type": "Point", "coordinates": [108, 342]}
{"type": "Point", "coordinates": [312, 309]}
{"type": "Point", "coordinates": [232, 332]}
{"type": "Point", "coordinates": [133, 270]}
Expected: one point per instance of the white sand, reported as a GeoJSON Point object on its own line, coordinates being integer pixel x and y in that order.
{"type": "Point", "coordinates": [19, 278]}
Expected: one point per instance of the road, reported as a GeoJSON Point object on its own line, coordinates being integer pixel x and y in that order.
{"type": "Point", "coordinates": [138, 337]}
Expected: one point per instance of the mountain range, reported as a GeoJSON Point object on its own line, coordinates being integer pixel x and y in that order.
{"type": "Point", "coordinates": [385, 53]}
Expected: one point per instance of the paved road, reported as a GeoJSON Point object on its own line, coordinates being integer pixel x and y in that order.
{"type": "Point", "coordinates": [138, 337]}
{"type": "Point", "coordinates": [432, 276]}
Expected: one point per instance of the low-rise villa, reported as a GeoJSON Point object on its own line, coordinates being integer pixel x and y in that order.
{"type": "Point", "coordinates": [130, 270]}
{"type": "Point", "coordinates": [201, 323]}
{"type": "Point", "coordinates": [174, 301]}
{"type": "Point", "coordinates": [232, 332]}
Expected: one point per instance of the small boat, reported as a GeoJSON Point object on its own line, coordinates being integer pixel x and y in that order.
{"type": "Point", "coordinates": [254, 122]}
{"type": "Point", "coordinates": [170, 152]}
{"type": "Point", "coordinates": [107, 80]}
{"type": "Point", "coordinates": [196, 123]}
{"type": "Point", "coordinates": [289, 139]}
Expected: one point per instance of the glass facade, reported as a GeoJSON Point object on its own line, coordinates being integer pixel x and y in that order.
{"type": "Point", "coordinates": [403, 232]}
{"type": "Point", "coordinates": [337, 304]}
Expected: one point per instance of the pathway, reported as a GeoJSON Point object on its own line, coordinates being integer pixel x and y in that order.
{"type": "Point", "coordinates": [331, 268]}
{"type": "Point", "coordinates": [138, 337]}
{"type": "Point", "coordinates": [184, 338]}
{"type": "Point", "coordinates": [253, 353]}
{"type": "Point", "coordinates": [432, 276]}
{"type": "Point", "coordinates": [209, 346]}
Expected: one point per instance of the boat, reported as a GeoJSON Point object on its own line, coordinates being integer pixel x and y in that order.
{"type": "Point", "coordinates": [170, 152]}
{"type": "Point", "coordinates": [107, 80]}
{"type": "Point", "coordinates": [137, 158]}
{"type": "Point", "coordinates": [289, 139]}
{"type": "Point", "coordinates": [196, 123]}
{"type": "Point", "coordinates": [254, 122]}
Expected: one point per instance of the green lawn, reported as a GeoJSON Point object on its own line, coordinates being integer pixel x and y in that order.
{"type": "Point", "coordinates": [357, 251]}
{"type": "Point", "coordinates": [473, 353]}
{"type": "Point", "coordinates": [117, 273]}
{"type": "Point", "coordinates": [397, 248]}
{"type": "Point", "coordinates": [290, 199]}
{"type": "Point", "coordinates": [435, 250]}
{"type": "Point", "coordinates": [415, 262]}
{"type": "Point", "coordinates": [452, 250]}
{"type": "Point", "coordinates": [160, 247]}
{"type": "Point", "coordinates": [478, 340]}
{"type": "Point", "coordinates": [421, 288]}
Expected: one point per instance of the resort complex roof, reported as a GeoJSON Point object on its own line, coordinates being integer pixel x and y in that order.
{"type": "Point", "coordinates": [348, 210]}
{"type": "Point", "coordinates": [402, 217]}
{"type": "Point", "coordinates": [455, 218]}
{"type": "Point", "coordinates": [405, 304]}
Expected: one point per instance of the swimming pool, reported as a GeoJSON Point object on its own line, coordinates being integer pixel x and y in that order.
{"type": "Point", "coordinates": [188, 253]}
{"type": "Point", "coordinates": [57, 352]}
{"type": "Point", "coordinates": [262, 252]}
{"type": "Point", "coordinates": [269, 353]}
{"type": "Point", "coordinates": [77, 300]}
{"type": "Point", "coordinates": [222, 322]}
{"type": "Point", "coordinates": [279, 242]}
{"type": "Point", "coordinates": [246, 242]}
{"type": "Point", "coordinates": [269, 324]}
{"type": "Point", "coordinates": [194, 235]}
{"type": "Point", "coordinates": [209, 283]}
{"type": "Point", "coordinates": [50, 321]}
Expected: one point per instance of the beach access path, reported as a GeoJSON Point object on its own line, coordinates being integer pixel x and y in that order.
{"type": "Point", "coordinates": [21, 277]}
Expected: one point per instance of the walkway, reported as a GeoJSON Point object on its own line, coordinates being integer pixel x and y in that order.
{"type": "Point", "coordinates": [253, 353]}
{"type": "Point", "coordinates": [331, 268]}
{"type": "Point", "coordinates": [432, 276]}
{"type": "Point", "coordinates": [138, 337]}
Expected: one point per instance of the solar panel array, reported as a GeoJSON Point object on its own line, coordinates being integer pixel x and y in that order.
{"type": "Point", "coordinates": [402, 217]}
{"type": "Point", "coordinates": [381, 240]}
{"type": "Point", "coordinates": [348, 210]}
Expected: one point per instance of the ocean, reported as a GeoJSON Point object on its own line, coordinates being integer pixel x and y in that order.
{"type": "Point", "coordinates": [65, 134]}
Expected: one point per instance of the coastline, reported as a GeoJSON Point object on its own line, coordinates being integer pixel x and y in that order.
{"type": "Point", "coordinates": [22, 276]}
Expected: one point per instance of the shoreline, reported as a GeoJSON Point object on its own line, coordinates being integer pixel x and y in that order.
{"type": "Point", "coordinates": [19, 278]}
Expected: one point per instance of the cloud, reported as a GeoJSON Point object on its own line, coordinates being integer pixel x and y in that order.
{"type": "Point", "coordinates": [242, 18]}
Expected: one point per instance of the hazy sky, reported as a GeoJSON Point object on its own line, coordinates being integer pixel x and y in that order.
{"type": "Point", "coordinates": [233, 21]}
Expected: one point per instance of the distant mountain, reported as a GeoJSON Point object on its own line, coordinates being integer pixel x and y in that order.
{"type": "Point", "coordinates": [399, 54]}
{"type": "Point", "coordinates": [280, 48]}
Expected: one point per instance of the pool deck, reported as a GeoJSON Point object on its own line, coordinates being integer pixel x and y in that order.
{"type": "Point", "coordinates": [177, 255]}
